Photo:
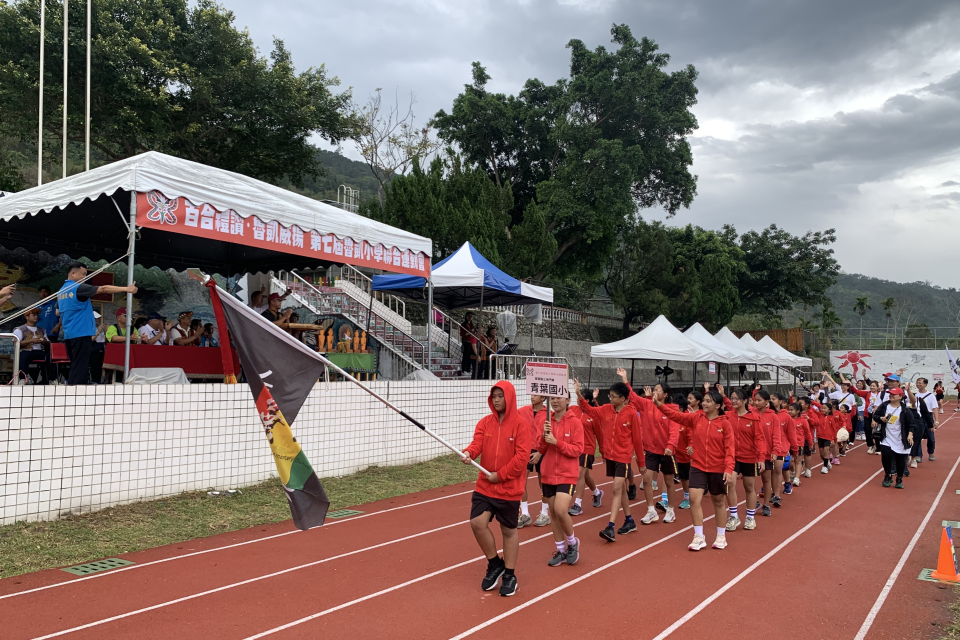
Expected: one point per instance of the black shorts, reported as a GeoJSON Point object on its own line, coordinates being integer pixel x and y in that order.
{"type": "Point", "coordinates": [683, 470]}
{"type": "Point", "coordinates": [822, 442]}
{"type": "Point", "coordinates": [747, 469]}
{"type": "Point", "coordinates": [507, 512]}
{"type": "Point", "coordinates": [768, 464]}
{"type": "Point", "coordinates": [807, 449]}
{"type": "Point", "coordinates": [550, 490]}
{"type": "Point", "coordinates": [617, 469]}
{"type": "Point", "coordinates": [531, 467]}
{"type": "Point", "coordinates": [586, 462]}
{"type": "Point", "coordinates": [711, 482]}
{"type": "Point", "coordinates": [658, 462]}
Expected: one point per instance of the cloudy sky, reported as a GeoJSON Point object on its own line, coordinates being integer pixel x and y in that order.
{"type": "Point", "coordinates": [813, 114]}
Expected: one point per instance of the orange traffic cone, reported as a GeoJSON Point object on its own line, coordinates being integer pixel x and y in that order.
{"type": "Point", "coordinates": [946, 563]}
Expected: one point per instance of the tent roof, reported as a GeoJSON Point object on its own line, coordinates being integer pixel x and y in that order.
{"type": "Point", "coordinates": [748, 354]}
{"type": "Point", "coordinates": [725, 354]}
{"type": "Point", "coordinates": [459, 279]}
{"type": "Point", "coordinates": [774, 347]}
{"type": "Point", "coordinates": [765, 357]}
{"type": "Point", "coordinates": [659, 341]}
{"type": "Point", "coordinates": [79, 219]}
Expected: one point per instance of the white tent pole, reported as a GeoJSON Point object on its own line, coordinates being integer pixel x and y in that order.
{"type": "Point", "coordinates": [429, 363]}
{"type": "Point", "coordinates": [86, 115]}
{"type": "Point", "coordinates": [43, 33]}
{"type": "Point", "coordinates": [130, 263]}
{"type": "Point", "coordinates": [66, 37]}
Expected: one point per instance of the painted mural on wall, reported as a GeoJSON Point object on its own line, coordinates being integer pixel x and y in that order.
{"type": "Point", "coordinates": [916, 363]}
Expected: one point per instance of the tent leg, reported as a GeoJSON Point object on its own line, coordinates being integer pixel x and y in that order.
{"type": "Point", "coordinates": [632, 362]}
{"type": "Point", "coordinates": [429, 362]}
{"type": "Point", "coordinates": [480, 334]}
{"type": "Point", "coordinates": [130, 262]}
{"type": "Point", "coordinates": [694, 387]}
{"type": "Point", "coordinates": [552, 352]}
{"type": "Point", "coordinates": [590, 373]}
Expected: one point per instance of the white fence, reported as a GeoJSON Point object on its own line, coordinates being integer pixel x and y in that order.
{"type": "Point", "coordinates": [79, 449]}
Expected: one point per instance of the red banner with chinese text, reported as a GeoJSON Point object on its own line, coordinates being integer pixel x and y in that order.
{"type": "Point", "coordinates": [155, 211]}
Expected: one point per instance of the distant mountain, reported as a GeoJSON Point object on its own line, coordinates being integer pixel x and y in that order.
{"type": "Point", "coordinates": [340, 170]}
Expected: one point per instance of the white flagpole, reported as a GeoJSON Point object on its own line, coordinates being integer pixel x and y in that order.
{"type": "Point", "coordinates": [86, 115]}
{"type": "Point", "coordinates": [43, 27]}
{"type": "Point", "coordinates": [66, 38]}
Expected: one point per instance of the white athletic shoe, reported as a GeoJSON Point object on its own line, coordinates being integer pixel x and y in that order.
{"type": "Point", "coordinates": [913, 463]}
{"type": "Point", "coordinates": [650, 518]}
{"type": "Point", "coordinates": [720, 542]}
{"type": "Point", "coordinates": [699, 542]}
{"type": "Point", "coordinates": [669, 516]}
{"type": "Point", "coordinates": [824, 470]}
{"type": "Point", "coordinates": [542, 520]}
{"type": "Point", "coordinates": [796, 482]}
{"type": "Point", "coordinates": [750, 524]}
{"type": "Point", "coordinates": [807, 473]}
{"type": "Point", "coordinates": [871, 451]}
{"type": "Point", "coordinates": [732, 523]}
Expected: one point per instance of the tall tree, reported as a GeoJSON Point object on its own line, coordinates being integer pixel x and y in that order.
{"type": "Point", "coordinates": [582, 155]}
{"type": "Point", "coordinates": [861, 307]}
{"type": "Point", "coordinates": [173, 77]}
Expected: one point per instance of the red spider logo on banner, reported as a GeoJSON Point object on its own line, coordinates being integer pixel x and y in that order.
{"type": "Point", "coordinates": [162, 210]}
{"type": "Point", "coordinates": [855, 360]}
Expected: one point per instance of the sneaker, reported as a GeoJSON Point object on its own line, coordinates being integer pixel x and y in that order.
{"type": "Point", "coordinates": [931, 458]}
{"type": "Point", "coordinates": [630, 525]}
{"type": "Point", "coordinates": [662, 506]}
{"type": "Point", "coordinates": [597, 499]}
{"type": "Point", "coordinates": [650, 518]}
{"type": "Point", "coordinates": [732, 523]}
{"type": "Point", "coordinates": [913, 464]}
{"type": "Point", "coordinates": [699, 542]}
{"type": "Point", "coordinates": [899, 485]}
{"type": "Point", "coordinates": [788, 488]}
{"type": "Point", "coordinates": [676, 479]}
{"type": "Point", "coordinates": [843, 454]}
{"type": "Point", "coordinates": [766, 511]}
{"type": "Point", "coordinates": [573, 552]}
{"type": "Point", "coordinates": [559, 557]}
{"type": "Point", "coordinates": [685, 504]}
{"type": "Point", "coordinates": [796, 482]}
{"type": "Point", "coordinates": [808, 474]}
{"type": "Point", "coordinates": [492, 579]}
{"type": "Point", "coordinates": [824, 470]}
{"type": "Point", "coordinates": [775, 501]}
{"type": "Point", "coordinates": [871, 450]}
{"type": "Point", "coordinates": [509, 586]}
{"type": "Point", "coordinates": [524, 521]}
{"type": "Point", "coordinates": [906, 474]}
{"type": "Point", "coordinates": [542, 520]}
{"type": "Point", "coordinates": [632, 492]}
{"type": "Point", "coordinates": [919, 460]}
{"type": "Point", "coordinates": [835, 461]}
{"type": "Point", "coordinates": [575, 510]}
{"type": "Point", "coordinates": [750, 524]}
{"type": "Point", "coordinates": [669, 516]}
{"type": "Point", "coordinates": [887, 482]}
{"type": "Point", "coordinates": [609, 534]}
{"type": "Point", "coordinates": [757, 506]}
{"type": "Point", "coordinates": [655, 487]}
{"type": "Point", "coordinates": [720, 542]}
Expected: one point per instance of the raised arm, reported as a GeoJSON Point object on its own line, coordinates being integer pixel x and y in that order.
{"type": "Point", "coordinates": [686, 419]}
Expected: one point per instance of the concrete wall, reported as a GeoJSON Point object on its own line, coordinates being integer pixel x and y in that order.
{"type": "Point", "coordinates": [917, 363]}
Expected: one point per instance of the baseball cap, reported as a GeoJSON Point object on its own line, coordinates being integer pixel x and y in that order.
{"type": "Point", "coordinates": [891, 376]}
{"type": "Point", "coordinates": [895, 392]}
{"type": "Point", "coordinates": [155, 316]}
{"type": "Point", "coordinates": [274, 296]}
{"type": "Point", "coordinates": [122, 311]}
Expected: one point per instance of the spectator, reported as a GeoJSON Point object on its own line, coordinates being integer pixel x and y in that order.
{"type": "Point", "coordinates": [6, 293]}
{"type": "Point", "coordinates": [33, 344]}
{"type": "Point", "coordinates": [99, 350]}
{"type": "Point", "coordinates": [273, 313]}
{"type": "Point", "coordinates": [156, 331]}
{"type": "Point", "coordinates": [77, 320]}
{"type": "Point", "coordinates": [257, 303]}
{"type": "Point", "coordinates": [180, 333]}
{"type": "Point", "coordinates": [296, 333]}
{"type": "Point", "coordinates": [49, 320]}
{"type": "Point", "coordinates": [118, 332]}
{"type": "Point", "coordinates": [207, 339]}
{"type": "Point", "coordinates": [139, 323]}
{"type": "Point", "coordinates": [468, 341]}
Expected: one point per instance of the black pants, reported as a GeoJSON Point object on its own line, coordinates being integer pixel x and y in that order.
{"type": "Point", "coordinates": [916, 450]}
{"type": "Point", "coordinates": [893, 462]}
{"type": "Point", "coordinates": [36, 355]}
{"type": "Point", "coordinates": [79, 350]}
{"type": "Point", "coordinates": [96, 365]}
{"type": "Point", "coordinates": [868, 429]}
{"type": "Point", "coordinates": [466, 350]}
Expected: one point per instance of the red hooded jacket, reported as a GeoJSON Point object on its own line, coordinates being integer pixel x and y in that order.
{"type": "Point", "coordinates": [788, 434]}
{"type": "Point", "coordinates": [619, 434]}
{"type": "Point", "coordinates": [561, 461]}
{"type": "Point", "coordinates": [659, 433]}
{"type": "Point", "coordinates": [804, 432]}
{"type": "Point", "coordinates": [503, 446]}
{"type": "Point", "coordinates": [589, 437]}
{"type": "Point", "coordinates": [770, 422]}
{"type": "Point", "coordinates": [713, 441]}
{"type": "Point", "coordinates": [751, 445]}
{"type": "Point", "coordinates": [535, 420]}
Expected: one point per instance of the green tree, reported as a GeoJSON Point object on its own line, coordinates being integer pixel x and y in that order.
{"type": "Point", "coordinates": [861, 307]}
{"type": "Point", "coordinates": [582, 155]}
{"type": "Point", "coordinates": [888, 306]}
{"type": "Point", "coordinates": [173, 77]}
{"type": "Point", "coordinates": [784, 270]}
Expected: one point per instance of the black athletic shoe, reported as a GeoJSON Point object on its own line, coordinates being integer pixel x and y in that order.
{"type": "Point", "coordinates": [676, 479]}
{"type": "Point", "coordinates": [509, 586]}
{"type": "Point", "coordinates": [632, 492]}
{"type": "Point", "coordinates": [766, 511]}
{"type": "Point", "coordinates": [906, 474]}
{"type": "Point", "coordinates": [758, 505]}
{"type": "Point", "coordinates": [628, 526]}
{"type": "Point", "coordinates": [775, 501]}
{"type": "Point", "coordinates": [609, 534]}
{"type": "Point", "coordinates": [597, 499]}
{"type": "Point", "coordinates": [492, 579]}
{"type": "Point", "coordinates": [887, 481]}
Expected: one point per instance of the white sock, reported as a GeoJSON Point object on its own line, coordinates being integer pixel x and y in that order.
{"type": "Point", "coordinates": [596, 492]}
{"type": "Point", "coordinates": [525, 508]}
{"type": "Point", "coordinates": [721, 532]}
{"type": "Point", "coordinates": [571, 540]}
{"type": "Point", "coordinates": [651, 510]}
{"type": "Point", "coordinates": [544, 508]}
{"type": "Point", "coordinates": [579, 502]}
{"type": "Point", "coordinates": [561, 546]}
{"type": "Point", "coordinates": [698, 530]}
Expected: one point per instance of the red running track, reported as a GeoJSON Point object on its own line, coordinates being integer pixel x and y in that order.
{"type": "Point", "coordinates": [410, 567]}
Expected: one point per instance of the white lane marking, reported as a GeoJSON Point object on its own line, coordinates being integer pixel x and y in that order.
{"type": "Point", "coordinates": [888, 586]}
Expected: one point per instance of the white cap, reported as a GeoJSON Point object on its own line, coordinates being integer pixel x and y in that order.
{"type": "Point", "coordinates": [96, 315]}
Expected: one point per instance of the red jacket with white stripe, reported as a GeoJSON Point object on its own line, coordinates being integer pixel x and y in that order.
{"type": "Point", "coordinates": [788, 434]}
{"type": "Point", "coordinates": [713, 441]}
{"type": "Point", "coordinates": [770, 423]}
{"type": "Point", "coordinates": [561, 461]}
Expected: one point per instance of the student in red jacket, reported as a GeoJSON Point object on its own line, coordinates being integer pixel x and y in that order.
{"type": "Point", "coordinates": [807, 416]}
{"type": "Point", "coordinates": [709, 439]}
{"type": "Point", "coordinates": [693, 400]}
{"type": "Point", "coordinates": [773, 465]}
{"type": "Point", "coordinates": [788, 443]}
{"type": "Point", "coordinates": [561, 445]}
{"type": "Point", "coordinates": [825, 436]}
{"type": "Point", "coordinates": [750, 455]}
{"type": "Point", "coordinates": [586, 461]}
{"type": "Point", "coordinates": [535, 415]}
{"type": "Point", "coordinates": [618, 430]}
{"type": "Point", "coordinates": [502, 442]}
{"type": "Point", "coordinates": [660, 435]}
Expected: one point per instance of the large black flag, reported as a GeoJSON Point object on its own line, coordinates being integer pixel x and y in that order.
{"type": "Point", "coordinates": [281, 372]}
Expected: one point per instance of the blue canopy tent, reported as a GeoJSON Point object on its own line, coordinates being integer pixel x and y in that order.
{"type": "Point", "coordinates": [464, 279]}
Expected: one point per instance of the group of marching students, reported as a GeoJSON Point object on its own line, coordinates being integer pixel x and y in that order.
{"type": "Point", "coordinates": [703, 441]}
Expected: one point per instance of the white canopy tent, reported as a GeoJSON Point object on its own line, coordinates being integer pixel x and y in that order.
{"type": "Point", "coordinates": [659, 341]}
{"type": "Point", "coordinates": [774, 347]}
{"type": "Point", "coordinates": [748, 353]}
{"type": "Point", "coordinates": [766, 358]}
{"type": "Point", "coordinates": [724, 353]}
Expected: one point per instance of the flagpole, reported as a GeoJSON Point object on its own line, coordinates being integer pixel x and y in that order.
{"type": "Point", "coordinates": [43, 27]}
{"type": "Point", "coordinates": [66, 38]}
{"type": "Point", "coordinates": [86, 115]}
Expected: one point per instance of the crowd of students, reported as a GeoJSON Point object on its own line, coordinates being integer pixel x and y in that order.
{"type": "Point", "coordinates": [704, 441]}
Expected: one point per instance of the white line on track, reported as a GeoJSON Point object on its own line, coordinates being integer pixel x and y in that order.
{"type": "Point", "coordinates": [875, 609]}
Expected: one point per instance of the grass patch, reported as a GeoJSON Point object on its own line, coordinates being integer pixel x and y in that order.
{"type": "Point", "coordinates": [952, 632]}
{"type": "Point", "coordinates": [26, 547]}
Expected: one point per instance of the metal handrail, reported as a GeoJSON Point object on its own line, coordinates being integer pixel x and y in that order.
{"type": "Point", "coordinates": [513, 364]}
{"type": "Point", "coordinates": [16, 355]}
{"type": "Point", "coordinates": [365, 283]}
{"type": "Point", "coordinates": [459, 328]}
